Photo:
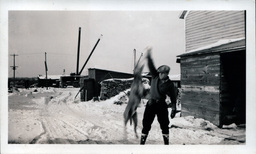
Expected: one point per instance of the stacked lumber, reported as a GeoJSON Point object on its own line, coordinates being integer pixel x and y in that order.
{"type": "Point", "coordinates": [112, 87]}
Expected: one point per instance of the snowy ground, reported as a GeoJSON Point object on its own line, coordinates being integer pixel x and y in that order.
{"type": "Point", "coordinates": [53, 116]}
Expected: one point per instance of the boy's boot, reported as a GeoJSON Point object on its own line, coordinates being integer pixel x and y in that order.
{"type": "Point", "coordinates": [166, 139]}
{"type": "Point", "coordinates": [143, 139]}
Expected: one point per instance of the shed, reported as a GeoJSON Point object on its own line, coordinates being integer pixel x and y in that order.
{"type": "Point", "coordinates": [213, 82]}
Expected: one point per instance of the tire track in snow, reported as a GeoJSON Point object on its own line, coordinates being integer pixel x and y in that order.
{"type": "Point", "coordinates": [39, 136]}
{"type": "Point", "coordinates": [64, 123]}
{"type": "Point", "coordinates": [92, 122]}
{"type": "Point", "coordinates": [75, 128]}
{"type": "Point", "coordinates": [58, 121]}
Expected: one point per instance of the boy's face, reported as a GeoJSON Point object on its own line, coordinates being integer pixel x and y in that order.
{"type": "Point", "coordinates": [163, 75]}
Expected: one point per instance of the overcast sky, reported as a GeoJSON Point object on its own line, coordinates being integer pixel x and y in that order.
{"type": "Point", "coordinates": [32, 33]}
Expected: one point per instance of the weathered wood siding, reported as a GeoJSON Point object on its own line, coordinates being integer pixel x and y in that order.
{"type": "Point", "coordinates": [200, 84]}
{"type": "Point", "coordinates": [207, 27]}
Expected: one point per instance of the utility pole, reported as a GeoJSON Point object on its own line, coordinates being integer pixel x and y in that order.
{"type": "Point", "coordinates": [136, 62]}
{"type": "Point", "coordinates": [46, 69]}
{"type": "Point", "coordinates": [78, 50]}
{"type": "Point", "coordinates": [134, 50]}
{"type": "Point", "coordinates": [90, 55]}
{"type": "Point", "coordinates": [14, 68]}
{"type": "Point", "coordinates": [134, 53]}
{"type": "Point", "coordinates": [139, 60]}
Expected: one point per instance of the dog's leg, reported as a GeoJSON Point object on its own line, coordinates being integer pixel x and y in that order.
{"type": "Point", "coordinates": [125, 132]}
{"type": "Point", "coordinates": [135, 122]}
{"type": "Point", "coordinates": [126, 118]}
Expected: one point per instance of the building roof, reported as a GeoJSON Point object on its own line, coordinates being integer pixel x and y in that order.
{"type": "Point", "coordinates": [57, 77]}
{"type": "Point", "coordinates": [225, 45]}
{"type": "Point", "coordinates": [175, 77]}
{"type": "Point", "coordinates": [183, 14]}
{"type": "Point", "coordinates": [54, 77]}
{"type": "Point", "coordinates": [109, 71]}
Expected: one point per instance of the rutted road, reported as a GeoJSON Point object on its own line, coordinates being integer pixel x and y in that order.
{"type": "Point", "coordinates": [54, 117]}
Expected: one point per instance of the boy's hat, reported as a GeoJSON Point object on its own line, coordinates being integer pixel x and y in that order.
{"type": "Point", "coordinates": [163, 69]}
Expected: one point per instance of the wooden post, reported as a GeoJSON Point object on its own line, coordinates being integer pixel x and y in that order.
{"type": "Point", "coordinates": [46, 69]}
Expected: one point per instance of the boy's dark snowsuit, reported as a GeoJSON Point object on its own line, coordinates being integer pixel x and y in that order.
{"type": "Point", "coordinates": [156, 104]}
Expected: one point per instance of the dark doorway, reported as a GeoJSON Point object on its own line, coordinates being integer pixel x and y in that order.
{"type": "Point", "coordinates": [90, 89]}
{"type": "Point", "coordinates": [233, 87]}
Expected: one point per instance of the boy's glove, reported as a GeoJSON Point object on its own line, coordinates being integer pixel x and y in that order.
{"type": "Point", "coordinates": [173, 113]}
{"type": "Point", "coordinates": [150, 102]}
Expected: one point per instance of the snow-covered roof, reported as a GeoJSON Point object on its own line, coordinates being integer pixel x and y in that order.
{"type": "Point", "coordinates": [108, 70]}
{"type": "Point", "coordinates": [174, 77]}
{"type": "Point", "coordinates": [54, 77]}
{"type": "Point", "coordinates": [221, 45]}
{"type": "Point", "coordinates": [120, 79]}
{"type": "Point", "coordinates": [144, 73]}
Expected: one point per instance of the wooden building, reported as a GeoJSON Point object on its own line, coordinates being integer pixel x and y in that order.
{"type": "Point", "coordinates": [213, 66]}
{"type": "Point", "coordinates": [72, 80]}
{"type": "Point", "coordinates": [51, 81]}
{"type": "Point", "coordinates": [203, 28]}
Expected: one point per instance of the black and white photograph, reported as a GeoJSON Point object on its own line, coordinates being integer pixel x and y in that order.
{"type": "Point", "coordinates": [131, 77]}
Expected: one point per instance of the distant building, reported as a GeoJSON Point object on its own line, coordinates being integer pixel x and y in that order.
{"type": "Point", "coordinates": [51, 81]}
{"type": "Point", "coordinates": [175, 79]}
{"type": "Point", "coordinates": [91, 85]}
{"type": "Point", "coordinates": [101, 74]}
{"type": "Point", "coordinates": [213, 66]}
{"type": "Point", "coordinates": [71, 80]}
{"type": "Point", "coordinates": [22, 82]}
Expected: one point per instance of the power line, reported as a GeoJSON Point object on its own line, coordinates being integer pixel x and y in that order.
{"type": "Point", "coordinates": [54, 53]}
{"type": "Point", "coordinates": [22, 54]}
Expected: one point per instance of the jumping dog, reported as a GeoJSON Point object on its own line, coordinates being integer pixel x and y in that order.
{"type": "Point", "coordinates": [135, 96]}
